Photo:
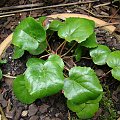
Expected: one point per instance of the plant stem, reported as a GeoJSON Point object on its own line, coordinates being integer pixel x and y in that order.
{"type": "Point", "coordinates": [86, 58]}
{"type": "Point", "coordinates": [60, 46]}
{"type": "Point", "coordinates": [69, 50]}
{"type": "Point", "coordinates": [66, 68]}
{"type": "Point", "coordinates": [48, 46]}
{"type": "Point", "coordinates": [44, 56]}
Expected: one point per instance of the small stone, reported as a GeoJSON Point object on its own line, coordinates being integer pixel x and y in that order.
{"type": "Point", "coordinates": [10, 114]}
{"type": "Point", "coordinates": [118, 112]}
{"type": "Point", "coordinates": [34, 118]}
{"type": "Point", "coordinates": [99, 72]}
{"type": "Point", "coordinates": [24, 113]}
{"type": "Point", "coordinates": [47, 118]}
{"type": "Point", "coordinates": [32, 110]}
{"type": "Point", "coordinates": [18, 113]}
{"type": "Point", "coordinates": [4, 103]}
{"type": "Point", "coordinates": [43, 108]}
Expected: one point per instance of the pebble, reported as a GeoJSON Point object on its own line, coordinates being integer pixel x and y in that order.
{"type": "Point", "coordinates": [3, 101]}
{"type": "Point", "coordinates": [34, 118]}
{"type": "Point", "coordinates": [43, 108]}
{"type": "Point", "coordinates": [99, 72]}
{"type": "Point", "coordinates": [32, 110]}
{"type": "Point", "coordinates": [18, 113]}
{"type": "Point", "coordinates": [24, 113]}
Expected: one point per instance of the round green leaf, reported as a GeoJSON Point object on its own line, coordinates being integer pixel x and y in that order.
{"type": "Point", "coordinates": [0, 74]}
{"type": "Point", "coordinates": [40, 49]}
{"type": "Point", "coordinates": [34, 61]}
{"type": "Point", "coordinates": [18, 52]}
{"type": "Point", "coordinates": [56, 59]}
{"type": "Point", "coordinates": [44, 79]}
{"type": "Point", "coordinates": [78, 29]}
{"type": "Point", "coordinates": [90, 42]}
{"type": "Point", "coordinates": [28, 34]}
{"type": "Point", "coordinates": [114, 59]}
{"type": "Point", "coordinates": [20, 90]}
{"type": "Point", "coordinates": [116, 72]}
{"type": "Point", "coordinates": [55, 25]}
{"type": "Point", "coordinates": [82, 85]}
{"type": "Point", "coordinates": [41, 20]}
{"type": "Point", "coordinates": [100, 54]}
{"type": "Point", "coordinates": [88, 111]}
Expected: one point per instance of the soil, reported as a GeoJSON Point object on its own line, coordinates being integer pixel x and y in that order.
{"type": "Point", "coordinates": [54, 107]}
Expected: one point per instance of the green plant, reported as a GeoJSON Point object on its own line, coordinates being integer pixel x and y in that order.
{"type": "Point", "coordinates": [44, 77]}
{"type": "Point", "coordinates": [1, 62]}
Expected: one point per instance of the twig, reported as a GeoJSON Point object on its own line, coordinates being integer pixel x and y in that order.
{"type": "Point", "coordinates": [2, 114]}
{"type": "Point", "coordinates": [69, 118]}
{"type": "Point", "coordinates": [47, 7]}
{"type": "Point", "coordinates": [48, 46]}
{"type": "Point", "coordinates": [105, 74]}
{"type": "Point", "coordinates": [99, 16]}
{"type": "Point", "coordinates": [7, 15]}
{"type": "Point", "coordinates": [113, 15]}
{"type": "Point", "coordinates": [108, 24]}
{"type": "Point", "coordinates": [68, 50]}
{"type": "Point", "coordinates": [8, 76]}
{"type": "Point", "coordinates": [100, 5]}
{"type": "Point", "coordinates": [22, 6]}
{"type": "Point", "coordinates": [86, 58]}
{"type": "Point", "coordinates": [66, 68]}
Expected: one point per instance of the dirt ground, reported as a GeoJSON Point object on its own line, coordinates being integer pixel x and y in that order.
{"type": "Point", "coordinates": [54, 107]}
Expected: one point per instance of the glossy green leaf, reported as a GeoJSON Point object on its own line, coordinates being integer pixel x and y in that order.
{"type": "Point", "coordinates": [78, 29]}
{"type": "Point", "coordinates": [54, 58]}
{"type": "Point", "coordinates": [78, 53]}
{"type": "Point", "coordinates": [41, 20]}
{"type": "Point", "coordinates": [88, 111]}
{"type": "Point", "coordinates": [96, 100]}
{"type": "Point", "coordinates": [82, 85]}
{"type": "Point", "coordinates": [90, 42]}
{"type": "Point", "coordinates": [34, 61]}
{"type": "Point", "coordinates": [40, 49]}
{"type": "Point", "coordinates": [18, 52]}
{"type": "Point", "coordinates": [44, 79]}
{"type": "Point", "coordinates": [75, 107]}
{"type": "Point", "coordinates": [100, 54]}
{"type": "Point", "coordinates": [55, 25]}
{"type": "Point", "coordinates": [20, 90]}
{"type": "Point", "coordinates": [28, 34]}
{"type": "Point", "coordinates": [114, 59]}
{"type": "Point", "coordinates": [116, 72]}
{"type": "Point", "coordinates": [0, 74]}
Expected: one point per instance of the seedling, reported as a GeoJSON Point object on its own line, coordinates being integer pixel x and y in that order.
{"type": "Point", "coordinates": [50, 74]}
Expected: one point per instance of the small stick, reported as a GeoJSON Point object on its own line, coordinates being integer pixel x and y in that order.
{"type": "Point", "coordinates": [21, 6]}
{"type": "Point", "coordinates": [7, 15]}
{"type": "Point", "coordinates": [8, 76]}
{"type": "Point", "coordinates": [99, 16]}
{"type": "Point", "coordinates": [100, 5]}
{"type": "Point", "coordinates": [47, 7]}
{"type": "Point", "coordinates": [69, 118]}
{"type": "Point", "coordinates": [2, 114]}
{"type": "Point", "coordinates": [105, 74]}
{"type": "Point", "coordinates": [115, 23]}
{"type": "Point", "coordinates": [86, 58]}
{"type": "Point", "coordinates": [113, 15]}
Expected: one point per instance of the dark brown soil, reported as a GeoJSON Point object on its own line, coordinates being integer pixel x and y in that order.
{"type": "Point", "coordinates": [54, 107]}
